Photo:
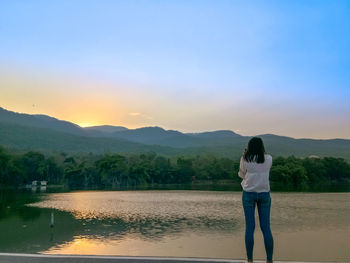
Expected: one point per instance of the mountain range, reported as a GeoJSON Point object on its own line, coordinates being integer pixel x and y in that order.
{"type": "Point", "coordinates": [20, 131]}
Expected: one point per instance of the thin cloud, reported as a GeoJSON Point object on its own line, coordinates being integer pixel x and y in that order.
{"type": "Point", "coordinates": [138, 114]}
{"type": "Point", "coordinates": [134, 113]}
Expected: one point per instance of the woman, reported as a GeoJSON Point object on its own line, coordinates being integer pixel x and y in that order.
{"type": "Point", "coordinates": [254, 169]}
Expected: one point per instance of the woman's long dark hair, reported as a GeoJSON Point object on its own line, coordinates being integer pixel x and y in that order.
{"type": "Point", "coordinates": [255, 151]}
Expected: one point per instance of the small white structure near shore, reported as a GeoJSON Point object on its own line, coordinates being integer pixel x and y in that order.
{"type": "Point", "coordinates": [39, 183]}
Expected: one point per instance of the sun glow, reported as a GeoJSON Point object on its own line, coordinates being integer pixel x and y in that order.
{"type": "Point", "coordinates": [87, 124]}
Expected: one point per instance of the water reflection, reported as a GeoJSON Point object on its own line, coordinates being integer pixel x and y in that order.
{"type": "Point", "coordinates": [172, 223]}
{"type": "Point", "coordinates": [200, 211]}
{"type": "Point", "coordinates": [12, 203]}
{"type": "Point", "coordinates": [111, 216]}
{"type": "Point", "coordinates": [150, 214]}
{"type": "Point", "coordinates": [26, 229]}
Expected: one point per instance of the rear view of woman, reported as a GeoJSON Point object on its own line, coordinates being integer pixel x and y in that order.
{"type": "Point", "coordinates": [254, 169]}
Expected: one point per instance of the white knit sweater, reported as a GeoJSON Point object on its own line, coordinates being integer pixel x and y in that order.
{"type": "Point", "coordinates": [255, 175]}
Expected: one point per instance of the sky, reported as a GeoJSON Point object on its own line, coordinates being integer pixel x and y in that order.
{"type": "Point", "coordinates": [254, 67]}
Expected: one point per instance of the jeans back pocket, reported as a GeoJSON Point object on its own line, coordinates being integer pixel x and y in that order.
{"type": "Point", "coordinates": [248, 200]}
{"type": "Point", "coordinates": [264, 201]}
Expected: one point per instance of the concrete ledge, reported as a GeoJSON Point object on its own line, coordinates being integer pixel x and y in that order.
{"type": "Point", "coordinates": [40, 258]}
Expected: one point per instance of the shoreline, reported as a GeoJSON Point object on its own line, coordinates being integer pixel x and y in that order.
{"type": "Point", "coordinates": [41, 258]}
{"type": "Point", "coordinates": [224, 185]}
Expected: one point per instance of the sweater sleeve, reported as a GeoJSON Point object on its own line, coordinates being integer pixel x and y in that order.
{"type": "Point", "coordinates": [242, 169]}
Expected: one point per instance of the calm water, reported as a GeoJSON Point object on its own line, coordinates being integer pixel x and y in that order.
{"type": "Point", "coordinates": [306, 226]}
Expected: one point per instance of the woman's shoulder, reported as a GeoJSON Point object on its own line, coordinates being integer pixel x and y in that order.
{"type": "Point", "coordinates": [268, 155]}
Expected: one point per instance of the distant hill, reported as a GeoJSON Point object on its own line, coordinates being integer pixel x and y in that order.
{"type": "Point", "coordinates": [39, 121]}
{"type": "Point", "coordinates": [159, 136]}
{"type": "Point", "coordinates": [221, 134]}
{"type": "Point", "coordinates": [106, 128]}
{"type": "Point", "coordinates": [15, 136]}
{"type": "Point", "coordinates": [285, 146]}
{"type": "Point", "coordinates": [41, 132]}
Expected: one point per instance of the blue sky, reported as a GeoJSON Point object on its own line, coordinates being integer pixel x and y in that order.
{"type": "Point", "coordinates": [254, 67]}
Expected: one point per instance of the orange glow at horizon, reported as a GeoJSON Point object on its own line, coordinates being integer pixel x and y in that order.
{"type": "Point", "coordinates": [81, 101]}
{"type": "Point", "coordinates": [87, 124]}
{"type": "Point", "coordinates": [87, 101]}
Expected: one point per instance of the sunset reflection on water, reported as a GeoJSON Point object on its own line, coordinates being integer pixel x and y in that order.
{"type": "Point", "coordinates": [199, 224]}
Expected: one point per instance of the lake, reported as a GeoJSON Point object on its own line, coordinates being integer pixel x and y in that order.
{"type": "Point", "coordinates": [306, 226]}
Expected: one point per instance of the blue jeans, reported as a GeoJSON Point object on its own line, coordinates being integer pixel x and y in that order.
{"type": "Point", "coordinates": [263, 202]}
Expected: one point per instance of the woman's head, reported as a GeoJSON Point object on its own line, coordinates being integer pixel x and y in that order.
{"type": "Point", "coordinates": [255, 151]}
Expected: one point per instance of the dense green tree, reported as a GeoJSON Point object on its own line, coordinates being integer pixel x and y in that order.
{"type": "Point", "coordinates": [115, 170]}
{"type": "Point", "coordinates": [4, 167]}
{"type": "Point", "coordinates": [32, 165]}
{"type": "Point", "coordinates": [162, 170]}
{"type": "Point", "coordinates": [290, 173]}
{"type": "Point", "coordinates": [315, 170]}
{"type": "Point", "coordinates": [184, 170]}
{"type": "Point", "coordinates": [337, 169]}
{"type": "Point", "coordinates": [138, 171]}
{"type": "Point", "coordinates": [53, 173]}
{"type": "Point", "coordinates": [74, 177]}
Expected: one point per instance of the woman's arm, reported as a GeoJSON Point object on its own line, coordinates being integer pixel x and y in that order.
{"type": "Point", "coordinates": [242, 169]}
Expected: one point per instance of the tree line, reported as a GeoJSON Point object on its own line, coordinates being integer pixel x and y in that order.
{"type": "Point", "coordinates": [117, 171]}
